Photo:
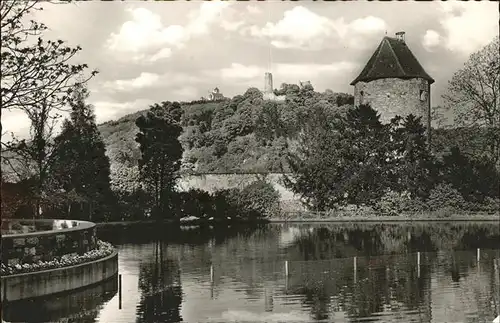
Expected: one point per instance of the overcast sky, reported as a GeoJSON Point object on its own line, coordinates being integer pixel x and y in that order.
{"type": "Point", "coordinates": [148, 52]}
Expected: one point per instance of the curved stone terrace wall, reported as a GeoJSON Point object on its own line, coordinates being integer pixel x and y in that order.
{"type": "Point", "coordinates": [28, 241]}
{"type": "Point", "coordinates": [47, 282]}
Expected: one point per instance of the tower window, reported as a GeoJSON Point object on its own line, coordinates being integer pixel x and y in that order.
{"type": "Point", "coordinates": [423, 95]}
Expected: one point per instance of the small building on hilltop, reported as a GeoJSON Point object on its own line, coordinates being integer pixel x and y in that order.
{"type": "Point", "coordinates": [394, 83]}
{"type": "Point", "coordinates": [215, 95]}
{"type": "Point", "coordinates": [305, 84]}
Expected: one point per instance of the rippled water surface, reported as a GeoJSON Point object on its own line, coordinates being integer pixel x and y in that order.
{"type": "Point", "coordinates": [336, 273]}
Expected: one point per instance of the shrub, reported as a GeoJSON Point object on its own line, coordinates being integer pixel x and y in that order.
{"type": "Point", "coordinates": [444, 212]}
{"type": "Point", "coordinates": [394, 203]}
{"type": "Point", "coordinates": [259, 198]}
{"type": "Point", "coordinates": [132, 205]}
{"type": "Point", "coordinates": [194, 202]}
{"type": "Point", "coordinates": [17, 226]}
{"type": "Point", "coordinates": [444, 196]}
{"type": "Point", "coordinates": [474, 178]}
{"type": "Point", "coordinates": [489, 205]}
{"type": "Point", "coordinates": [352, 210]}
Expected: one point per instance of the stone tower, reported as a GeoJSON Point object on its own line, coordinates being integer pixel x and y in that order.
{"type": "Point", "coordinates": [268, 93]}
{"type": "Point", "coordinates": [268, 83]}
{"type": "Point", "coordinates": [394, 83]}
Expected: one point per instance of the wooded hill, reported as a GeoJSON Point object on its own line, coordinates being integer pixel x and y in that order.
{"type": "Point", "coordinates": [249, 134]}
{"type": "Point", "coordinates": [243, 134]}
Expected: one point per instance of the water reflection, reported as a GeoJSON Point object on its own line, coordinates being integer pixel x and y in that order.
{"type": "Point", "coordinates": [336, 273]}
{"type": "Point", "coordinates": [160, 286]}
{"type": "Point", "coordinates": [80, 306]}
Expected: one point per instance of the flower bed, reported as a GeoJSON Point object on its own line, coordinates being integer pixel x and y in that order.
{"type": "Point", "coordinates": [103, 250]}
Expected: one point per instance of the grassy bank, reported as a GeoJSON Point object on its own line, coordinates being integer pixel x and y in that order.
{"type": "Point", "coordinates": [318, 218]}
{"type": "Point", "coordinates": [357, 216]}
{"type": "Point", "coordinates": [383, 219]}
{"type": "Point", "coordinates": [172, 222]}
{"type": "Point", "coordinates": [131, 223]}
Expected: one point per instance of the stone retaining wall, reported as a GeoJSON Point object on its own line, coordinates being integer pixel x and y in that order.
{"type": "Point", "coordinates": [81, 305]}
{"type": "Point", "coordinates": [214, 182]}
{"type": "Point", "coordinates": [47, 282]}
{"type": "Point", "coordinates": [45, 245]}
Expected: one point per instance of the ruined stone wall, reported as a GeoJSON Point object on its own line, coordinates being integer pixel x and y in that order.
{"type": "Point", "coordinates": [393, 96]}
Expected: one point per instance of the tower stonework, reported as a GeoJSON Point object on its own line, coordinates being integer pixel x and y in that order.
{"type": "Point", "coordinates": [268, 93]}
{"type": "Point", "coordinates": [394, 83]}
{"type": "Point", "coordinates": [393, 96]}
{"type": "Point", "coordinates": [268, 83]}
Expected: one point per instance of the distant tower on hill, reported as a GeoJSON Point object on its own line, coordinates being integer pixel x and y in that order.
{"type": "Point", "coordinates": [268, 83]}
{"type": "Point", "coordinates": [268, 93]}
{"type": "Point", "coordinates": [394, 83]}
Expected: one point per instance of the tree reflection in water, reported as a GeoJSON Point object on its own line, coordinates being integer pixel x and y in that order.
{"type": "Point", "coordinates": [160, 286]}
{"type": "Point", "coordinates": [388, 280]}
{"type": "Point", "coordinates": [386, 286]}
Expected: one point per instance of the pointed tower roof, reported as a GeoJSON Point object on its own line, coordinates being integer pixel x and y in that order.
{"type": "Point", "coordinates": [392, 59]}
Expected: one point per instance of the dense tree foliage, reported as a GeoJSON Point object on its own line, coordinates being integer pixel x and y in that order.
{"type": "Point", "coordinates": [161, 153]}
{"type": "Point", "coordinates": [82, 167]}
{"type": "Point", "coordinates": [411, 166]}
{"type": "Point", "coordinates": [474, 97]}
{"type": "Point", "coordinates": [244, 134]}
{"type": "Point", "coordinates": [351, 158]}
{"type": "Point", "coordinates": [475, 179]}
{"type": "Point", "coordinates": [37, 78]}
{"type": "Point", "coordinates": [339, 159]}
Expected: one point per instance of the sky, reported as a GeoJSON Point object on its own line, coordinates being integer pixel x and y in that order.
{"type": "Point", "coordinates": [148, 52]}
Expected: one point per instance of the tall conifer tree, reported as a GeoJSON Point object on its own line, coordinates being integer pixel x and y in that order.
{"type": "Point", "coordinates": [82, 166]}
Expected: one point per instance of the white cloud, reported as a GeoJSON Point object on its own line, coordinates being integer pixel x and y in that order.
{"type": "Point", "coordinates": [208, 13]}
{"type": "Point", "coordinates": [303, 29]}
{"type": "Point", "coordinates": [468, 26]}
{"type": "Point", "coordinates": [367, 25]}
{"type": "Point", "coordinates": [142, 81]}
{"type": "Point", "coordinates": [232, 25]}
{"type": "Point", "coordinates": [431, 39]}
{"type": "Point", "coordinates": [108, 110]}
{"type": "Point", "coordinates": [254, 10]}
{"type": "Point", "coordinates": [299, 28]}
{"type": "Point", "coordinates": [359, 30]}
{"type": "Point", "coordinates": [239, 71]}
{"type": "Point", "coordinates": [163, 53]}
{"type": "Point", "coordinates": [145, 32]}
{"type": "Point", "coordinates": [150, 81]}
{"type": "Point", "coordinates": [16, 122]}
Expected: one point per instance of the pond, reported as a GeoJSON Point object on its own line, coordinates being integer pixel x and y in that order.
{"type": "Point", "coordinates": [380, 272]}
